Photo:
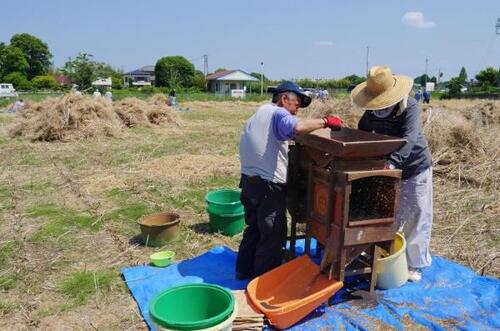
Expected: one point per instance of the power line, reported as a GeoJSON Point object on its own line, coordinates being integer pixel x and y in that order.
{"type": "Point", "coordinates": [367, 57]}
{"type": "Point", "coordinates": [205, 62]}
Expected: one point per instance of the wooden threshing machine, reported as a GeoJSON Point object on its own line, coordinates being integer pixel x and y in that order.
{"type": "Point", "coordinates": [339, 188]}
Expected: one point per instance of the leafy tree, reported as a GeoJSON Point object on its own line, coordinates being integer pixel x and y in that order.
{"type": "Point", "coordinates": [219, 70]}
{"type": "Point", "coordinates": [199, 82]}
{"type": "Point", "coordinates": [35, 51]}
{"type": "Point", "coordinates": [354, 79]}
{"type": "Point", "coordinates": [81, 70]}
{"type": "Point", "coordinates": [424, 79]}
{"type": "Point", "coordinates": [463, 75]}
{"type": "Point", "coordinates": [455, 86]}
{"type": "Point", "coordinates": [257, 75]}
{"type": "Point", "coordinates": [487, 77]}
{"type": "Point", "coordinates": [44, 82]}
{"type": "Point", "coordinates": [174, 71]}
{"type": "Point", "coordinates": [117, 83]}
{"type": "Point", "coordinates": [17, 79]}
{"type": "Point", "coordinates": [343, 83]}
{"type": "Point", "coordinates": [104, 70]}
{"type": "Point", "coordinates": [12, 60]}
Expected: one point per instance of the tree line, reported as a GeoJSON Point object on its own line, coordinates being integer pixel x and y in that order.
{"type": "Point", "coordinates": [26, 63]}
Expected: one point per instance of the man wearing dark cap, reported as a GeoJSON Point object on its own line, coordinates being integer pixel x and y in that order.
{"type": "Point", "coordinates": [264, 162]}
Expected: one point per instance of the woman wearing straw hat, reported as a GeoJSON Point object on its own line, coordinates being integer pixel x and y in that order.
{"type": "Point", "coordinates": [389, 110]}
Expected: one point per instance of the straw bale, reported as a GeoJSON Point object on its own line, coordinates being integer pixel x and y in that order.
{"type": "Point", "coordinates": [74, 117]}
{"type": "Point", "coordinates": [132, 112]}
{"type": "Point", "coordinates": [457, 131]}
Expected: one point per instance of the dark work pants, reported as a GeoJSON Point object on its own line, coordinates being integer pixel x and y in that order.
{"type": "Point", "coordinates": [263, 244]}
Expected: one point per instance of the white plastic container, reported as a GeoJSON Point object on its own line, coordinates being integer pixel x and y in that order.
{"type": "Point", "coordinates": [392, 271]}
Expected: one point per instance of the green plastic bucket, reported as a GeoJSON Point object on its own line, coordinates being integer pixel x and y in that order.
{"type": "Point", "coordinates": [191, 307]}
{"type": "Point", "coordinates": [162, 259]}
{"type": "Point", "coordinates": [228, 224]}
{"type": "Point", "coordinates": [224, 201]}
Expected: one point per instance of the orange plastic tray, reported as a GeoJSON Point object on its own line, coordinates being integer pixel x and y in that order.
{"type": "Point", "coordinates": [291, 291]}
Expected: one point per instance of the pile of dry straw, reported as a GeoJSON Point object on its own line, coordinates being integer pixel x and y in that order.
{"type": "Point", "coordinates": [460, 133]}
{"type": "Point", "coordinates": [73, 117]}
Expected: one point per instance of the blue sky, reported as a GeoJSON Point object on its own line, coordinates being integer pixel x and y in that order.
{"type": "Point", "coordinates": [317, 39]}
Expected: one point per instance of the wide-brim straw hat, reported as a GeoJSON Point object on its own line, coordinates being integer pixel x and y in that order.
{"type": "Point", "coordinates": [382, 89]}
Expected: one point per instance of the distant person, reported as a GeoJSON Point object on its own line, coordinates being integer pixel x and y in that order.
{"type": "Point", "coordinates": [324, 95]}
{"type": "Point", "coordinates": [427, 97]}
{"type": "Point", "coordinates": [389, 110]}
{"type": "Point", "coordinates": [418, 96]}
{"type": "Point", "coordinates": [17, 106]}
{"type": "Point", "coordinates": [109, 96]}
{"type": "Point", "coordinates": [171, 98]}
{"type": "Point", "coordinates": [96, 94]}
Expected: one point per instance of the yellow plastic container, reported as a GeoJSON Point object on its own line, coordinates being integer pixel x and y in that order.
{"type": "Point", "coordinates": [392, 271]}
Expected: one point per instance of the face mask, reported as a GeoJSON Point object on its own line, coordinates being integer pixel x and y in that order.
{"type": "Point", "coordinates": [403, 103]}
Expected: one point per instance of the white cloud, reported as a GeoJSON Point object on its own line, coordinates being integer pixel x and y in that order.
{"type": "Point", "coordinates": [324, 43]}
{"type": "Point", "coordinates": [417, 20]}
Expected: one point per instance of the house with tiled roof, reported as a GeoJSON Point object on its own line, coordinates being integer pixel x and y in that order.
{"type": "Point", "coordinates": [140, 77]}
{"type": "Point", "coordinates": [229, 82]}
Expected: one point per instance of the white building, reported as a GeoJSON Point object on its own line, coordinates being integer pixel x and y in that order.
{"type": "Point", "coordinates": [7, 90]}
{"type": "Point", "coordinates": [229, 82]}
{"type": "Point", "coordinates": [144, 76]}
{"type": "Point", "coordinates": [103, 82]}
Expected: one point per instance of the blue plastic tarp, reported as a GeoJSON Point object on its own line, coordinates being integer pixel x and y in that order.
{"type": "Point", "coordinates": [450, 296]}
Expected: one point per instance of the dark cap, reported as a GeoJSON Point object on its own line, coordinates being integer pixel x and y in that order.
{"type": "Point", "coordinates": [288, 86]}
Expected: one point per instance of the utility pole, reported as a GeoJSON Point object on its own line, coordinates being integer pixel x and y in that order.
{"type": "Point", "coordinates": [426, 66]}
{"type": "Point", "coordinates": [261, 78]}
{"type": "Point", "coordinates": [367, 62]}
{"type": "Point", "coordinates": [205, 65]}
{"type": "Point", "coordinates": [497, 26]}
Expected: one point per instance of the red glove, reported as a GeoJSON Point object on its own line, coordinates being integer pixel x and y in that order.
{"type": "Point", "coordinates": [333, 122]}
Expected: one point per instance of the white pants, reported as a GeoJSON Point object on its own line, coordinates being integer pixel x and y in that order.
{"type": "Point", "coordinates": [415, 214]}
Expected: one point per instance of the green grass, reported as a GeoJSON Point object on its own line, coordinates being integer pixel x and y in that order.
{"type": "Point", "coordinates": [29, 158]}
{"type": "Point", "coordinates": [7, 282]}
{"type": "Point", "coordinates": [60, 222]}
{"type": "Point", "coordinates": [36, 187]}
{"type": "Point", "coordinates": [7, 306]}
{"type": "Point", "coordinates": [130, 212]}
{"type": "Point", "coordinates": [201, 96]}
{"type": "Point", "coordinates": [4, 102]}
{"type": "Point", "coordinates": [82, 285]}
{"type": "Point", "coordinates": [126, 93]}
{"type": "Point", "coordinates": [119, 195]}
{"type": "Point", "coordinates": [5, 199]}
{"type": "Point", "coordinates": [7, 252]}
{"type": "Point", "coordinates": [39, 96]}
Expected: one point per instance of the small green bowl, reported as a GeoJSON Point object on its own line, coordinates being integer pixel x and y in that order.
{"type": "Point", "coordinates": [162, 259]}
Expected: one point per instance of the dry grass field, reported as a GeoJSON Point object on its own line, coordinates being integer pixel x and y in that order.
{"type": "Point", "coordinates": [68, 208]}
